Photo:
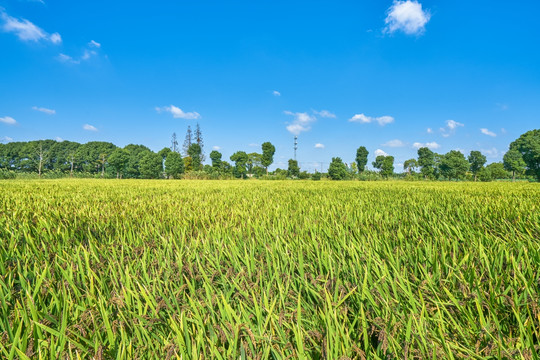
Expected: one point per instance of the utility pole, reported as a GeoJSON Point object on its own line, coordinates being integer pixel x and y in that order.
{"type": "Point", "coordinates": [295, 146]}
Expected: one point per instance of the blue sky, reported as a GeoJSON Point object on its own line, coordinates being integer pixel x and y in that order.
{"type": "Point", "coordinates": [389, 75]}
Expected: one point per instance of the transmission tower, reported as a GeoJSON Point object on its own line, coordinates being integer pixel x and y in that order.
{"type": "Point", "coordinates": [295, 146]}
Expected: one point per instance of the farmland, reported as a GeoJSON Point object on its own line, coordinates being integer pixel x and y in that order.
{"type": "Point", "coordinates": [126, 269]}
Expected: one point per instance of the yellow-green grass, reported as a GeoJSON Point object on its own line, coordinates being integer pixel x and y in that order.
{"type": "Point", "coordinates": [253, 269]}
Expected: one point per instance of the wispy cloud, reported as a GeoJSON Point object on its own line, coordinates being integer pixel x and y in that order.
{"type": "Point", "coordinates": [325, 114]}
{"type": "Point", "coordinates": [487, 132]}
{"type": "Point", "coordinates": [89, 127]}
{"type": "Point", "coordinates": [430, 145]}
{"type": "Point", "coordinates": [178, 113]}
{"type": "Point", "coordinates": [394, 143]}
{"type": "Point", "coordinates": [319, 146]}
{"type": "Point", "coordinates": [59, 139]}
{"type": "Point", "coordinates": [406, 16]}
{"type": "Point", "coordinates": [491, 153]}
{"type": "Point", "coordinates": [44, 110]}
{"type": "Point", "coordinates": [429, 130]}
{"type": "Point", "coordinates": [6, 139]}
{"type": "Point", "coordinates": [363, 119]}
{"type": "Point", "coordinates": [301, 122]}
{"type": "Point", "coordinates": [276, 93]}
{"type": "Point", "coordinates": [215, 147]}
{"type": "Point", "coordinates": [67, 59]}
{"type": "Point", "coordinates": [26, 30]}
{"type": "Point", "coordinates": [254, 145]}
{"type": "Point", "coordinates": [8, 120]}
{"type": "Point", "coordinates": [450, 129]}
{"type": "Point", "coordinates": [380, 152]}
{"type": "Point", "coordinates": [94, 43]}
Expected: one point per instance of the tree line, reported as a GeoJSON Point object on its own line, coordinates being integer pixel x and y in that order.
{"type": "Point", "coordinates": [104, 159]}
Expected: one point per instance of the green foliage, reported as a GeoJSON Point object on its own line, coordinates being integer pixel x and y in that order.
{"type": "Point", "coordinates": [195, 154]}
{"type": "Point", "coordinates": [240, 159]}
{"type": "Point", "coordinates": [119, 159]}
{"type": "Point", "coordinates": [528, 145]}
{"type": "Point", "coordinates": [174, 165]}
{"type": "Point", "coordinates": [268, 151]}
{"type": "Point", "coordinates": [426, 161]}
{"type": "Point", "coordinates": [513, 161]}
{"type": "Point", "coordinates": [476, 161]}
{"type": "Point", "coordinates": [410, 165]}
{"type": "Point", "coordinates": [497, 171]}
{"type": "Point", "coordinates": [293, 169]}
{"type": "Point", "coordinates": [361, 158]}
{"type": "Point", "coordinates": [337, 169]}
{"type": "Point", "coordinates": [151, 166]}
{"type": "Point", "coordinates": [454, 165]}
{"type": "Point", "coordinates": [215, 156]}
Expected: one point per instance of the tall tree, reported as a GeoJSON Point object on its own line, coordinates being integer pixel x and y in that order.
{"type": "Point", "coordinates": [387, 166]}
{"type": "Point", "coordinates": [199, 141]}
{"type": "Point", "coordinates": [337, 169]}
{"type": "Point", "coordinates": [240, 158]}
{"type": "Point", "coordinates": [151, 166]}
{"type": "Point", "coordinates": [174, 143]}
{"type": "Point", "coordinates": [426, 161]}
{"type": "Point", "coordinates": [254, 160]}
{"type": "Point", "coordinates": [188, 141]}
{"type": "Point", "coordinates": [361, 158]}
{"type": "Point", "coordinates": [454, 165]}
{"type": "Point", "coordinates": [194, 153]}
{"type": "Point", "coordinates": [477, 161]}
{"type": "Point", "coordinates": [174, 165]}
{"type": "Point", "coordinates": [118, 160]}
{"type": "Point", "coordinates": [513, 161]}
{"type": "Point", "coordinates": [293, 170]}
{"type": "Point", "coordinates": [378, 163]}
{"type": "Point", "coordinates": [528, 145]}
{"type": "Point", "coordinates": [215, 156]}
{"type": "Point", "coordinates": [268, 151]}
{"type": "Point", "coordinates": [410, 165]}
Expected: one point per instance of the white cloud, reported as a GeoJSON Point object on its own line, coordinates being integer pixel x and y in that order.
{"type": "Point", "coordinates": [93, 43]}
{"type": "Point", "coordinates": [301, 122]}
{"type": "Point", "coordinates": [44, 110]}
{"type": "Point", "coordinates": [503, 130]}
{"type": "Point", "coordinates": [407, 16]}
{"type": "Point", "coordinates": [451, 126]}
{"type": "Point", "coordinates": [325, 114]}
{"type": "Point", "coordinates": [254, 145]}
{"type": "Point", "coordinates": [59, 139]}
{"type": "Point", "coordinates": [8, 120]}
{"type": "Point", "coordinates": [379, 152]}
{"type": "Point", "coordinates": [487, 132]}
{"type": "Point", "coordinates": [491, 153]}
{"type": "Point", "coordinates": [178, 113]}
{"type": "Point", "coordinates": [429, 130]}
{"type": "Point", "coordinates": [88, 54]}
{"type": "Point", "coordinates": [26, 30]}
{"type": "Point", "coordinates": [67, 59]}
{"type": "Point", "coordinates": [276, 93]}
{"type": "Point", "coordinates": [5, 139]}
{"type": "Point", "coordinates": [89, 127]}
{"type": "Point", "coordinates": [216, 147]}
{"type": "Point", "coordinates": [382, 120]}
{"type": "Point", "coordinates": [394, 143]}
{"type": "Point", "coordinates": [319, 146]}
{"type": "Point", "coordinates": [429, 145]}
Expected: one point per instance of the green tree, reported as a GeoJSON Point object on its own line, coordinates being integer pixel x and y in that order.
{"type": "Point", "coordinates": [174, 164]}
{"type": "Point", "coordinates": [378, 163]}
{"type": "Point", "coordinates": [426, 161]}
{"type": "Point", "coordinates": [136, 152]}
{"type": "Point", "coordinates": [240, 159]}
{"type": "Point", "coordinates": [293, 170]}
{"type": "Point", "coordinates": [361, 158]}
{"type": "Point", "coordinates": [454, 165]}
{"type": "Point", "coordinates": [199, 140]}
{"type": "Point", "coordinates": [410, 165]}
{"type": "Point", "coordinates": [254, 160]}
{"type": "Point", "coordinates": [268, 151]}
{"type": "Point", "coordinates": [194, 153]}
{"type": "Point", "coordinates": [497, 171]}
{"type": "Point", "coordinates": [215, 156]}
{"type": "Point", "coordinates": [513, 161]}
{"type": "Point", "coordinates": [119, 160]}
{"type": "Point", "coordinates": [163, 153]}
{"type": "Point", "coordinates": [337, 169]}
{"type": "Point", "coordinates": [151, 166]}
{"type": "Point", "coordinates": [187, 141]}
{"type": "Point", "coordinates": [528, 145]}
{"type": "Point", "coordinates": [387, 168]}
{"type": "Point", "coordinates": [476, 161]}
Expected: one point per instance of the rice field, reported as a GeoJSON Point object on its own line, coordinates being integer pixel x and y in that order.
{"type": "Point", "coordinates": [110, 269]}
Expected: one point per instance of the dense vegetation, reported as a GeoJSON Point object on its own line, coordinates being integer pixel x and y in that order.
{"type": "Point", "coordinates": [54, 159]}
{"type": "Point", "coordinates": [226, 270]}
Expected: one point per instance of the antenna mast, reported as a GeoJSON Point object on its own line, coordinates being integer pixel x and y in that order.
{"type": "Point", "coordinates": [295, 146]}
